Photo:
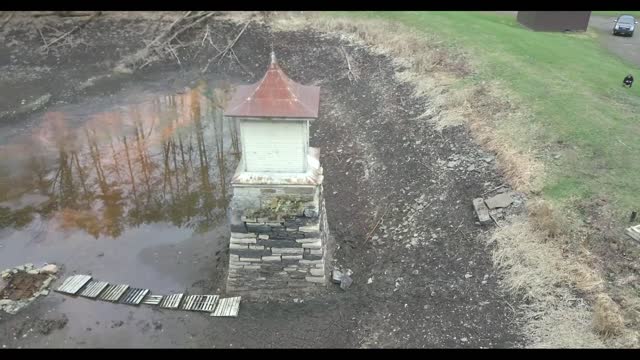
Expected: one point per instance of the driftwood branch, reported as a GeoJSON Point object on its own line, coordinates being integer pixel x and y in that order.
{"type": "Point", "coordinates": [221, 54]}
{"type": "Point", "coordinates": [350, 74]}
{"type": "Point", "coordinates": [376, 226]}
{"type": "Point", "coordinates": [207, 15]}
{"type": "Point", "coordinates": [174, 54]}
{"type": "Point", "coordinates": [42, 37]}
{"type": "Point", "coordinates": [79, 26]}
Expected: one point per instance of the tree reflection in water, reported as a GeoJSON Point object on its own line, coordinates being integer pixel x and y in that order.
{"type": "Point", "coordinates": [165, 160]}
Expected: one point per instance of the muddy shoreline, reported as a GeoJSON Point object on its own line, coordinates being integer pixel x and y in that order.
{"type": "Point", "coordinates": [425, 277]}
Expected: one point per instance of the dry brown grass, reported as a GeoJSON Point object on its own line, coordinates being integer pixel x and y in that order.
{"type": "Point", "coordinates": [532, 251]}
{"type": "Point", "coordinates": [434, 69]}
{"type": "Point", "coordinates": [607, 320]}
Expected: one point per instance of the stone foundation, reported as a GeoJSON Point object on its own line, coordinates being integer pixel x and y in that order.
{"type": "Point", "coordinates": [275, 251]}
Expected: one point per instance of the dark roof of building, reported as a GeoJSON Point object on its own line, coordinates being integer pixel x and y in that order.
{"type": "Point", "coordinates": [275, 95]}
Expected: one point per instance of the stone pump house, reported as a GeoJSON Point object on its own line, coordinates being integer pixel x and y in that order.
{"type": "Point", "coordinates": [277, 217]}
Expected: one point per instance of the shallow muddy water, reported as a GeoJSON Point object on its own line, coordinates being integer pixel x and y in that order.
{"type": "Point", "coordinates": [130, 189]}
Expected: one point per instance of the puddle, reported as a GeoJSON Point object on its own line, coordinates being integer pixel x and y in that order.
{"type": "Point", "coordinates": [134, 191]}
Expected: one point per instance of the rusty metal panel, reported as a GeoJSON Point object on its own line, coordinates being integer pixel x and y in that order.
{"type": "Point", "coordinates": [152, 299]}
{"type": "Point", "coordinates": [94, 288]}
{"type": "Point", "coordinates": [200, 302]}
{"type": "Point", "coordinates": [133, 296]}
{"type": "Point", "coordinates": [227, 307]}
{"type": "Point", "coordinates": [73, 284]}
{"type": "Point", "coordinates": [275, 95]}
{"type": "Point", "coordinates": [113, 292]}
{"type": "Point", "coordinates": [171, 301]}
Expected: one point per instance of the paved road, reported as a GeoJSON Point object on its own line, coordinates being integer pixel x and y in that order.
{"type": "Point", "coordinates": [627, 48]}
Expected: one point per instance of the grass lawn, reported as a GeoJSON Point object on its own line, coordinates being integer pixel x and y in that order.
{"type": "Point", "coordinates": [614, 14]}
{"type": "Point", "coordinates": [572, 86]}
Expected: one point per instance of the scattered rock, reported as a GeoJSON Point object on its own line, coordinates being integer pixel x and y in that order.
{"type": "Point", "coordinates": [349, 272]}
{"type": "Point", "coordinates": [336, 276]}
{"type": "Point", "coordinates": [370, 280]}
{"type": "Point", "coordinates": [49, 269]}
{"type": "Point", "coordinates": [33, 272]}
{"type": "Point", "coordinates": [481, 211]}
{"type": "Point", "coordinates": [467, 276]}
{"type": "Point", "coordinates": [346, 282]}
{"type": "Point", "coordinates": [499, 201]}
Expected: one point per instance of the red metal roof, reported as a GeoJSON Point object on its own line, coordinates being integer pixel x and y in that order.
{"type": "Point", "coordinates": [275, 96]}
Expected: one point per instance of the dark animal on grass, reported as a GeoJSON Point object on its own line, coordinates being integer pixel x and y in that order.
{"type": "Point", "coordinates": [628, 81]}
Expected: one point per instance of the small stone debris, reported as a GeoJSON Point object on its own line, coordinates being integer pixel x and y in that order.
{"type": "Point", "coordinates": [336, 276]}
{"type": "Point", "coordinates": [481, 211]}
{"type": "Point", "coordinates": [499, 201]}
{"type": "Point", "coordinates": [344, 279]}
{"type": "Point", "coordinates": [346, 282]}
{"type": "Point", "coordinates": [467, 276]}
{"type": "Point", "coordinates": [370, 280]}
{"type": "Point", "coordinates": [634, 232]}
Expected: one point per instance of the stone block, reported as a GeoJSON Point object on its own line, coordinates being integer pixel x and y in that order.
{"type": "Point", "coordinates": [250, 259]}
{"type": "Point", "coordinates": [307, 240]}
{"type": "Point", "coordinates": [481, 211]}
{"type": "Point", "coordinates": [291, 257]}
{"type": "Point", "coordinates": [238, 246]}
{"type": "Point", "coordinates": [259, 229]}
{"type": "Point", "coordinates": [313, 245]}
{"type": "Point", "coordinates": [256, 247]}
{"type": "Point", "coordinates": [234, 257]}
{"type": "Point", "coordinates": [278, 243]}
{"type": "Point", "coordinates": [317, 272]}
{"type": "Point", "coordinates": [272, 258]}
{"type": "Point", "coordinates": [243, 241]}
{"type": "Point", "coordinates": [290, 269]}
{"type": "Point", "coordinates": [310, 228]}
{"type": "Point", "coordinates": [243, 235]}
{"type": "Point", "coordinates": [311, 262]}
{"type": "Point", "coordinates": [310, 213]}
{"type": "Point", "coordinates": [499, 201]}
{"type": "Point", "coordinates": [316, 252]}
{"type": "Point", "coordinates": [249, 253]}
{"type": "Point", "coordinates": [251, 267]}
{"type": "Point", "coordinates": [263, 237]}
{"type": "Point", "coordinates": [249, 220]}
{"type": "Point", "coordinates": [287, 250]}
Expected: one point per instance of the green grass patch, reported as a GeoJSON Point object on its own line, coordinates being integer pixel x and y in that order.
{"type": "Point", "coordinates": [614, 14]}
{"type": "Point", "coordinates": [571, 84]}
